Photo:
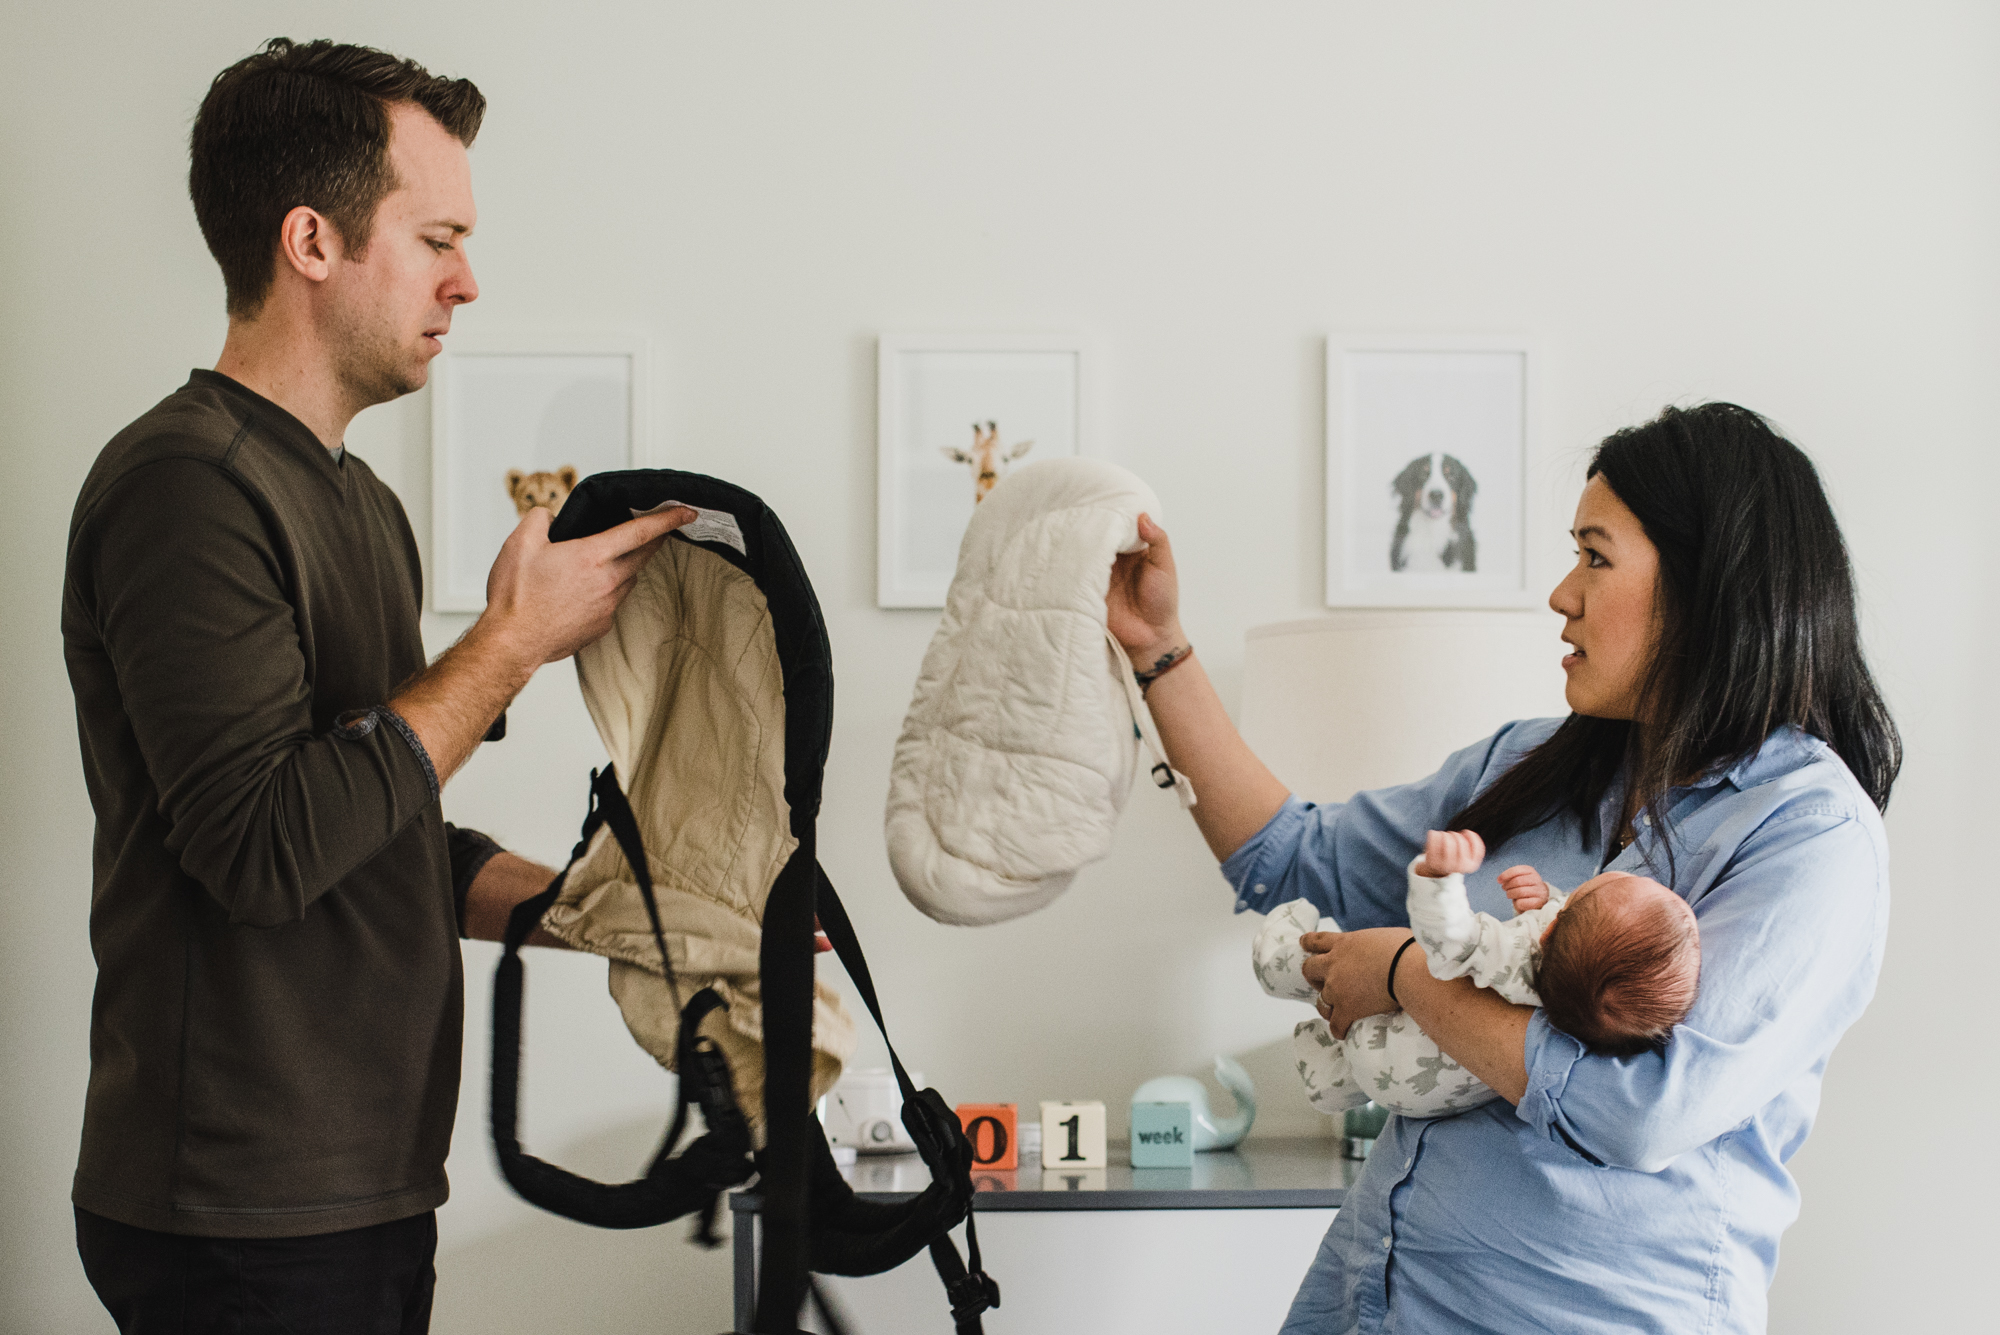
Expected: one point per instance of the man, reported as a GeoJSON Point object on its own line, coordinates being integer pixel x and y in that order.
{"type": "Point", "coordinates": [276, 1028]}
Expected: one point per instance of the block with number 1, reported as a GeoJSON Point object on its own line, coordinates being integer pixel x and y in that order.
{"type": "Point", "coordinates": [1073, 1135]}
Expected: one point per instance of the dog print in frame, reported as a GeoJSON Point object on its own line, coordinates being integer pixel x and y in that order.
{"type": "Point", "coordinates": [1433, 496]}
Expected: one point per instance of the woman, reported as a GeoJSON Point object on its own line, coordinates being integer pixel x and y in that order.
{"type": "Point", "coordinates": [1726, 739]}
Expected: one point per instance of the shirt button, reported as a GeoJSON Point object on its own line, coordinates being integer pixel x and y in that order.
{"type": "Point", "coordinates": [1387, 1240]}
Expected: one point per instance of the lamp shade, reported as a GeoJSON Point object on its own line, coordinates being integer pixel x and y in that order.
{"type": "Point", "coordinates": [1368, 698]}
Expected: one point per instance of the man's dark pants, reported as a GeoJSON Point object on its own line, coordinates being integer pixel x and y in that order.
{"type": "Point", "coordinates": [365, 1281]}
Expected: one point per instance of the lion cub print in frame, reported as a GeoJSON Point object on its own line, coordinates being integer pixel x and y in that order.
{"type": "Point", "coordinates": [548, 490]}
{"type": "Point", "coordinates": [517, 422]}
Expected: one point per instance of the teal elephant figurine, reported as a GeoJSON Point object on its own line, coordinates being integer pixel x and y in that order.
{"type": "Point", "coordinates": [1210, 1132]}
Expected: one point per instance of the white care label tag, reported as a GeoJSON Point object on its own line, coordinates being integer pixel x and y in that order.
{"type": "Point", "coordinates": [708, 526]}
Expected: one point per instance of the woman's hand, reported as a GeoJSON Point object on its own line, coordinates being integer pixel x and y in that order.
{"type": "Point", "coordinates": [1351, 971]}
{"type": "Point", "coordinates": [1142, 606]}
{"type": "Point", "coordinates": [1478, 1027]}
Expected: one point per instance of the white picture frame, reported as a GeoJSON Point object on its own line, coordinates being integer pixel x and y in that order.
{"type": "Point", "coordinates": [534, 402]}
{"type": "Point", "coordinates": [1461, 410]}
{"type": "Point", "coordinates": [945, 403]}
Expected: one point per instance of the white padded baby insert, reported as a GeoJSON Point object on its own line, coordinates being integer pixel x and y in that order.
{"type": "Point", "coordinates": [688, 695]}
{"type": "Point", "coordinates": [1022, 739]}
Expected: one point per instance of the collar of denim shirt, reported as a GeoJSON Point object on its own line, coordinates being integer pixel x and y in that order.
{"type": "Point", "coordinates": [1783, 751]}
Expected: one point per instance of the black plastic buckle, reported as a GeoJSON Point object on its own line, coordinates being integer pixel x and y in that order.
{"type": "Point", "coordinates": [1163, 774]}
{"type": "Point", "coordinates": [972, 1294]}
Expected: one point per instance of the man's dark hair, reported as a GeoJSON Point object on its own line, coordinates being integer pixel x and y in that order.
{"type": "Point", "coordinates": [1754, 623]}
{"type": "Point", "coordinates": [304, 124]}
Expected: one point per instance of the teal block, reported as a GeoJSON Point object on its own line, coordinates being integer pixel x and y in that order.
{"type": "Point", "coordinates": [1162, 1135]}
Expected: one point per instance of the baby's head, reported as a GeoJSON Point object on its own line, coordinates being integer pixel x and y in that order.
{"type": "Point", "coordinates": [1620, 964]}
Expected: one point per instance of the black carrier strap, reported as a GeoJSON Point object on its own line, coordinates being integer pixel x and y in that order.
{"type": "Point", "coordinates": [939, 1138]}
{"type": "Point", "coordinates": [828, 1229]}
{"type": "Point", "coordinates": [674, 1185]}
{"type": "Point", "coordinates": [812, 1220]}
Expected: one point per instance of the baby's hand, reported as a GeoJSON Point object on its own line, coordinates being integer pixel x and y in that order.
{"type": "Point", "coordinates": [1525, 886]}
{"type": "Point", "coordinates": [1448, 851]}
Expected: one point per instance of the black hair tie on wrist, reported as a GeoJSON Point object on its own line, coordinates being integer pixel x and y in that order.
{"type": "Point", "coordinates": [1392, 969]}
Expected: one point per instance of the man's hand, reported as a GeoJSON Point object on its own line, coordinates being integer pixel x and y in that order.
{"type": "Point", "coordinates": [1451, 851]}
{"type": "Point", "coordinates": [546, 600]}
{"type": "Point", "coordinates": [1142, 606]}
{"type": "Point", "coordinates": [1525, 886]}
{"type": "Point", "coordinates": [1351, 971]}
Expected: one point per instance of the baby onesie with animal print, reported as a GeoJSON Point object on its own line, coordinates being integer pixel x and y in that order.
{"type": "Point", "coordinates": [1386, 1057]}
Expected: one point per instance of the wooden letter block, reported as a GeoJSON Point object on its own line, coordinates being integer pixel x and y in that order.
{"type": "Point", "coordinates": [1162, 1135]}
{"type": "Point", "coordinates": [1072, 1135]}
{"type": "Point", "coordinates": [992, 1129]}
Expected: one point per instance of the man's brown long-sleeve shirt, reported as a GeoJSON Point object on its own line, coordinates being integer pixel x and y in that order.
{"type": "Point", "coordinates": [276, 1028]}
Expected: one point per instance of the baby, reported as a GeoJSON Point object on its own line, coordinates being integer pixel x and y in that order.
{"type": "Point", "coordinates": [1615, 964]}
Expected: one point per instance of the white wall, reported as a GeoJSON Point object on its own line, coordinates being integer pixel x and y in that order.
{"type": "Point", "coordinates": [1788, 205]}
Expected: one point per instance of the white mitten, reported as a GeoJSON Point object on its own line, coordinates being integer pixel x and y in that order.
{"type": "Point", "coordinates": [1278, 957]}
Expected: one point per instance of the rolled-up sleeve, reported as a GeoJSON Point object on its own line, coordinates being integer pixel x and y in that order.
{"type": "Point", "coordinates": [192, 609]}
{"type": "Point", "coordinates": [1348, 858]}
{"type": "Point", "coordinates": [1791, 939]}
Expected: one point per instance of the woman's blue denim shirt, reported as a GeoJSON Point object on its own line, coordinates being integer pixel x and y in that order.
{"type": "Point", "coordinates": [1625, 1193]}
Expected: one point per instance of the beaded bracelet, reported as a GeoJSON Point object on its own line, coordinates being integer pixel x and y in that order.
{"type": "Point", "coordinates": [1162, 665]}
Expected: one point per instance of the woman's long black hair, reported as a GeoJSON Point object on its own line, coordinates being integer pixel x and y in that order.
{"type": "Point", "coordinates": [1754, 628]}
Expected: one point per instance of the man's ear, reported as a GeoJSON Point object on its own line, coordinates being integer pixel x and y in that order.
{"type": "Point", "coordinates": [308, 243]}
{"type": "Point", "coordinates": [567, 476]}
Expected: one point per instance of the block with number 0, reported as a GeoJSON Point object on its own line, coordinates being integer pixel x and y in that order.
{"type": "Point", "coordinates": [991, 1127]}
{"type": "Point", "coordinates": [1073, 1135]}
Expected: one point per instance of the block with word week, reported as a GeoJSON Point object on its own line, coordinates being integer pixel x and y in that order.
{"type": "Point", "coordinates": [991, 1127]}
{"type": "Point", "coordinates": [1072, 1135]}
{"type": "Point", "coordinates": [1162, 1135]}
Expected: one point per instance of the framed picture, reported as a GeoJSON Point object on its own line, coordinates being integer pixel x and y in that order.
{"type": "Point", "coordinates": [1426, 487]}
{"type": "Point", "coordinates": [517, 423]}
{"type": "Point", "coordinates": [954, 414]}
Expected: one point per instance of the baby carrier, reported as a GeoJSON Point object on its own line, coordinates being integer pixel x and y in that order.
{"type": "Point", "coordinates": [714, 695]}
